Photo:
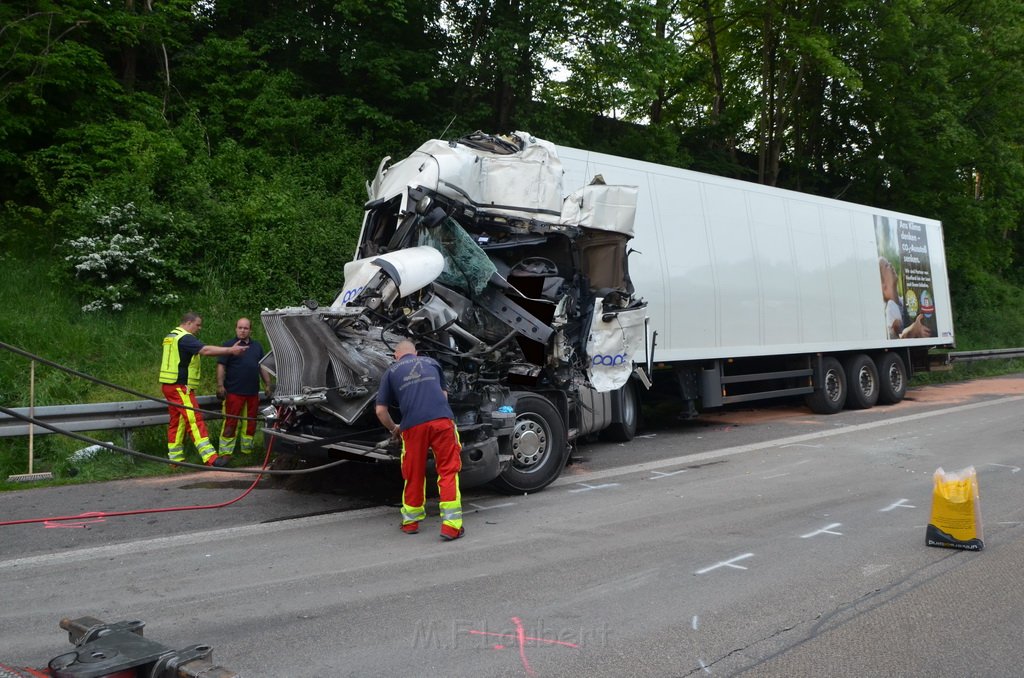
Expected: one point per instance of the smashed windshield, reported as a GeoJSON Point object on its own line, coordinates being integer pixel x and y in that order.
{"type": "Point", "coordinates": [466, 266]}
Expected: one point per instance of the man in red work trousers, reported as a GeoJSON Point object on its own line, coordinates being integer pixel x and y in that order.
{"type": "Point", "coordinates": [415, 384]}
{"type": "Point", "coordinates": [179, 377]}
{"type": "Point", "coordinates": [238, 385]}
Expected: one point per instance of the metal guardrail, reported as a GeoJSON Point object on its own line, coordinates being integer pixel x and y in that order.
{"type": "Point", "coordinates": [989, 354]}
{"type": "Point", "coordinates": [97, 416]}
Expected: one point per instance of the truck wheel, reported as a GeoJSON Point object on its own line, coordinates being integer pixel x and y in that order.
{"type": "Point", "coordinates": [892, 380]}
{"type": "Point", "coordinates": [538, 447]}
{"type": "Point", "coordinates": [831, 396]}
{"type": "Point", "coordinates": [629, 411]}
{"type": "Point", "coordinates": [862, 379]}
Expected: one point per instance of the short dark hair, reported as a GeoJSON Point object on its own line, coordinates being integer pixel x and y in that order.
{"type": "Point", "coordinates": [189, 317]}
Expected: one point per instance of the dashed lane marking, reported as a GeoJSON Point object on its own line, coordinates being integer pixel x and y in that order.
{"type": "Point", "coordinates": [727, 563]}
{"type": "Point", "coordinates": [588, 488]}
{"type": "Point", "coordinates": [662, 474]}
{"type": "Point", "coordinates": [828, 529]}
{"type": "Point", "coordinates": [478, 507]}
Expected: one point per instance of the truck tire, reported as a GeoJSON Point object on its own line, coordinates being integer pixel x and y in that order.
{"type": "Point", "coordinates": [892, 381]}
{"type": "Point", "coordinates": [831, 397]}
{"type": "Point", "coordinates": [629, 412]}
{"type": "Point", "coordinates": [539, 451]}
{"type": "Point", "coordinates": [862, 382]}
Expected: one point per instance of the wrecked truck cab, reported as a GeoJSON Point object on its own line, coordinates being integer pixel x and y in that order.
{"type": "Point", "coordinates": [469, 249]}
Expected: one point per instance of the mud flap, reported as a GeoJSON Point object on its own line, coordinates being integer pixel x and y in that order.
{"type": "Point", "coordinates": [480, 464]}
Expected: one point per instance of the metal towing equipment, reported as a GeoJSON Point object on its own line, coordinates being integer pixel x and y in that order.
{"type": "Point", "coordinates": [119, 650]}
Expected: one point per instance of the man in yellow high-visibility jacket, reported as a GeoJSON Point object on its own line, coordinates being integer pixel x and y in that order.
{"type": "Point", "coordinates": [179, 377]}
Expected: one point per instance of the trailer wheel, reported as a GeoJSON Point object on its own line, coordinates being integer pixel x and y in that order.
{"type": "Point", "coordinates": [831, 396]}
{"type": "Point", "coordinates": [629, 412]}
{"type": "Point", "coordinates": [862, 379]}
{"type": "Point", "coordinates": [539, 451]}
{"type": "Point", "coordinates": [892, 379]}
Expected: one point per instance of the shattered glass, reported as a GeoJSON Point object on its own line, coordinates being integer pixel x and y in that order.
{"type": "Point", "coordinates": [466, 266]}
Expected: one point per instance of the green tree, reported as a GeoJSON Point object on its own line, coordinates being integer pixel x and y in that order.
{"type": "Point", "coordinates": [50, 79]}
{"type": "Point", "coordinates": [64, 68]}
{"type": "Point", "coordinates": [496, 55]}
{"type": "Point", "coordinates": [944, 126]}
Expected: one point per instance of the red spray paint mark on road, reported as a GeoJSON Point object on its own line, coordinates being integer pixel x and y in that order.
{"type": "Point", "coordinates": [95, 518]}
{"type": "Point", "coordinates": [521, 638]}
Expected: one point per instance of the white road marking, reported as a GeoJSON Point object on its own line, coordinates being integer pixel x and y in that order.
{"type": "Point", "coordinates": [179, 541]}
{"type": "Point", "coordinates": [704, 666]}
{"type": "Point", "coordinates": [1015, 468]}
{"type": "Point", "coordinates": [688, 459]}
{"type": "Point", "coordinates": [693, 623]}
{"type": "Point", "coordinates": [662, 474]}
{"type": "Point", "coordinates": [727, 563]}
{"type": "Point", "coordinates": [587, 488]}
{"type": "Point", "coordinates": [777, 475]}
{"type": "Point", "coordinates": [828, 529]}
{"type": "Point", "coordinates": [478, 507]}
{"type": "Point", "coordinates": [902, 503]}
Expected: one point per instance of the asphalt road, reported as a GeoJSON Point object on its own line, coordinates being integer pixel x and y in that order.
{"type": "Point", "coordinates": [762, 542]}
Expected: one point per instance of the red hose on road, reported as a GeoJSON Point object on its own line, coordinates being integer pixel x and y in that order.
{"type": "Point", "coordinates": [111, 514]}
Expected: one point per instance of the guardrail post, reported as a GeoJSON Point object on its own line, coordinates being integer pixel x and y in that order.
{"type": "Point", "coordinates": [31, 412]}
{"type": "Point", "coordinates": [31, 431]}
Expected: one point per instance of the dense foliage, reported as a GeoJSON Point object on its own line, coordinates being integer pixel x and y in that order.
{"type": "Point", "coordinates": [239, 134]}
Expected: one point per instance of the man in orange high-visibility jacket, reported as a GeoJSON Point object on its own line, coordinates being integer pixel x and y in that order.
{"type": "Point", "coordinates": [179, 377]}
{"type": "Point", "coordinates": [416, 385]}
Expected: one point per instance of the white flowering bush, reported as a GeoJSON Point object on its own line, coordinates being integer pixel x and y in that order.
{"type": "Point", "coordinates": [118, 263]}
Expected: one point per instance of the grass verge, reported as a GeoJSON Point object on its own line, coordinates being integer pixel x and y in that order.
{"type": "Point", "coordinates": [119, 348]}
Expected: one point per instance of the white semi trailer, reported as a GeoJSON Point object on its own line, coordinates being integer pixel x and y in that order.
{"type": "Point", "coordinates": [758, 292]}
{"type": "Point", "coordinates": [556, 286]}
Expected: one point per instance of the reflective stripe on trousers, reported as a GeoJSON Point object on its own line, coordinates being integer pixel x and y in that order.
{"type": "Point", "coordinates": [182, 420]}
{"type": "Point", "coordinates": [240, 406]}
{"type": "Point", "coordinates": [441, 437]}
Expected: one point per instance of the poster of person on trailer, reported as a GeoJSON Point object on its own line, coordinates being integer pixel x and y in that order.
{"type": "Point", "coordinates": [906, 275]}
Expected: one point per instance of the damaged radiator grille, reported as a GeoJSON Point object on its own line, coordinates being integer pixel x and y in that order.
{"type": "Point", "coordinates": [317, 369]}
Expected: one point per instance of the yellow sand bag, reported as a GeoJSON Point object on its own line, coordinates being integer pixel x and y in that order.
{"type": "Point", "coordinates": [956, 511]}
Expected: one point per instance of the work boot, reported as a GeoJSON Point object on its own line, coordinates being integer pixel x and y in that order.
{"type": "Point", "coordinates": [410, 528]}
{"type": "Point", "coordinates": [449, 533]}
